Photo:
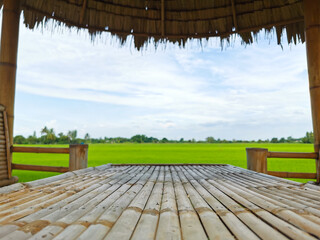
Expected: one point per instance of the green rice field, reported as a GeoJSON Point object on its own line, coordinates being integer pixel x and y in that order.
{"type": "Point", "coordinates": [230, 153]}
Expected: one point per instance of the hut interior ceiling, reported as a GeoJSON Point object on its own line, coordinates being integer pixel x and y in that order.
{"type": "Point", "coordinates": [171, 20]}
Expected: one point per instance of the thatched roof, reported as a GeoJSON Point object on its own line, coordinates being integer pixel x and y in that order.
{"type": "Point", "coordinates": [171, 20]}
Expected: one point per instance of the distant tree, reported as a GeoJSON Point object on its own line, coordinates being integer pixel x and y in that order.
{"type": "Point", "coordinates": [63, 139]}
{"type": "Point", "coordinates": [72, 135]}
{"type": "Point", "coordinates": [44, 130]}
{"type": "Point", "coordinates": [136, 139]}
{"type": "Point", "coordinates": [290, 139]}
{"type": "Point", "coordinates": [48, 137]}
{"type": "Point", "coordinates": [210, 140]}
{"type": "Point", "coordinates": [164, 140]}
{"type": "Point", "coordinates": [48, 134]}
{"type": "Point", "coordinates": [154, 140]}
{"type": "Point", "coordinates": [32, 139]}
{"type": "Point", "coordinates": [19, 139]}
{"type": "Point", "coordinates": [274, 140]}
{"type": "Point", "coordinates": [309, 138]}
{"type": "Point", "coordinates": [51, 135]}
{"type": "Point", "coordinates": [87, 137]}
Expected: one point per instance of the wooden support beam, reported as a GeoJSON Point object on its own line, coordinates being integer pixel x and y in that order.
{"type": "Point", "coordinates": [39, 168]}
{"type": "Point", "coordinates": [293, 175]}
{"type": "Point", "coordinates": [162, 19]}
{"type": "Point", "coordinates": [234, 15]}
{"type": "Point", "coordinates": [40, 150]}
{"type": "Point", "coordinates": [312, 32]}
{"type": "Point", "coordinates": [78, 158]}
{"type": "Point", "coordinates": [257, 159]}
{"type": "Point", "coordinates": [8, 58]}
{"type": "Point", "coordinates": [305, 155]}
{"type": "Point", "coordinates": [83, 11]}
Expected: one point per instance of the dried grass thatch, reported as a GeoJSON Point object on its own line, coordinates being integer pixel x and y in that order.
{"type": "Point", "coordinates": [171, 20]}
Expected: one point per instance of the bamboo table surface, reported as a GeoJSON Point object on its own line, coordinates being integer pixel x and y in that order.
{"type": "Point", "coordinates": [160, 202]}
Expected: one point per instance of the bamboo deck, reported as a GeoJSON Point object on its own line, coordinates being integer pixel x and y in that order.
{"type": "Point", "coordinates": [160, 202]}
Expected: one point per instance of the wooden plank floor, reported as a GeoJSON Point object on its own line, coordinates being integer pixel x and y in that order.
{"type": "Point", "coordinates": [160, 202]}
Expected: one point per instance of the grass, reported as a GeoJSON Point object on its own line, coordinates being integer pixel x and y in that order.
{"type": "Point", "coordinates": [234, 154]}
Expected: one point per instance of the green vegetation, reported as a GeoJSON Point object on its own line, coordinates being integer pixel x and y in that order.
{"type": "Point", "coordinates": [234, 154]}
{"type": "Point", "coordinates": [48, 136]}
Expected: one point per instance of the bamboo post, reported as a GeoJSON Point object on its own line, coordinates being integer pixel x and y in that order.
{"type": "Point", "coordinates": [8, 58]}
{"type": "Point", "coordinates": [8, 151]}
{"type": "Point", "coordinates": [162, 19]}
{"type": "Point", "coordinates": [257, 159]}
{"type": "Point", "coordinates": [312, 32]}
{"type": "Point", "coordinates": [318, 170]}
{"type": "Point", "coordinates": [78, 158]}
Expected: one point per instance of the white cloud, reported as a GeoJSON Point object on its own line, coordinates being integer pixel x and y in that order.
{"type": "Point", "coordinates": [176, 93]}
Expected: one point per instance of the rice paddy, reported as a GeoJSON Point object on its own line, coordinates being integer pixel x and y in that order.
{"type": "Point", "coordinates": [233, 154]}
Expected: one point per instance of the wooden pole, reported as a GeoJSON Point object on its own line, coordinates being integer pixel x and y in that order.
{"type": "Point", "coordinates": [8, 150]}
{"type": "Point", "coordinates": [312, 32]}
{"type": "Point", "coordinates": [8, 58]}
{"type": "Point", "coordinates": [39, 168]}
{"type": "Point", "coordinates": [78, 158]}
{"type": "Point", "coordinates": [234, 15]}
{"type": "Point", "coordinates": [257, 159]}
{"type": "Point", "coordinates": [162, 19]}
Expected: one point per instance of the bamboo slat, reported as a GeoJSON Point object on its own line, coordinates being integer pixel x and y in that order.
{"type": "Point", "coordinates": [262, 229]}
{"type": "Point", "coordinates": [268, 217]}
{"type": "Point", "coordinates": [169, 226]}
{"type": "Point", "coordinates": [190, 224]}
{"type": "Point", "coordinates": [51, 214]}
{"type": "Point", "coordinates": [128, 220]}
{"type": "Point", "coordinates": [147, 225]}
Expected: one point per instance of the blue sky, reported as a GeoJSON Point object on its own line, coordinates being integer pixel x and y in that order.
{"type": "Point", "coordinates": [66, 81]}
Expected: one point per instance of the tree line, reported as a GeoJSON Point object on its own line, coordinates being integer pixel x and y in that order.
{"type": "Point", "coordinates": [48, 136]}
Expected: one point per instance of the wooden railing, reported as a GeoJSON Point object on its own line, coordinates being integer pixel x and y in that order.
{"type": "Point", "coordinates": [78, 158]}
{"type": "Point", "coordinates": [257, 161]}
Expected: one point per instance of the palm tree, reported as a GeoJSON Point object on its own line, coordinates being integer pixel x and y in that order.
{"type": "Point", "coordinates": [44, 131]}
{"type": "Point", "coordinates": [87, 137]}
{"type": "Point", "coordinates": [72, 135]}
{"type": "Point", "coordinates": [49, 134]}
